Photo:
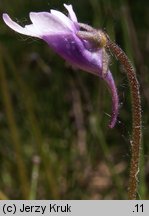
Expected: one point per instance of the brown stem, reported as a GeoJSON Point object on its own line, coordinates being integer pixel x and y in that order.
{"type": "Point", "coordinates": [136, 117]}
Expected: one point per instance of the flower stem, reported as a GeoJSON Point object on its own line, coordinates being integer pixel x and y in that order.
{"type": "Point", "coordinates": [136, 117]}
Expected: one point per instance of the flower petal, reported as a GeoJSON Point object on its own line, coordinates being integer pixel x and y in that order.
{"type": "Point", "coordinates": [47, 23]}
{"type": "Point", "coordinates": [27, 30]}
{"type": "Point", "coordinates": [71, 48]}
{"type": "Point", "coordinates": [66, 21]}
{"type": "Point", "coordinates": [72, 14]}
{"type": "Point", "coordinates": [60, 33]}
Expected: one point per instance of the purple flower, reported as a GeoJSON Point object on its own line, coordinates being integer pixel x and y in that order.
{"type": "Point", "coordinates": [60, 32]}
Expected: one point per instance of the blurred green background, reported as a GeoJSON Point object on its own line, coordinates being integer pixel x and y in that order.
{"type": "Point", "coordinates": [54, 138]}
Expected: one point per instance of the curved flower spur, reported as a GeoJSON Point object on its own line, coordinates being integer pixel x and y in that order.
{"type": "Point", "coordinates": [61, 34]}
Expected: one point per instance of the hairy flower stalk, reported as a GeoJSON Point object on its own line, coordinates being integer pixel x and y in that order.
{"type": "Point", "coordinates": [136, 117]}
{"type": "Point", "coordinates": [101, 39]}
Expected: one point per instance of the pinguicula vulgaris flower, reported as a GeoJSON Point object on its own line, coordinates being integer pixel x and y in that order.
{"type": "Point", "coordinates": [60, 32]}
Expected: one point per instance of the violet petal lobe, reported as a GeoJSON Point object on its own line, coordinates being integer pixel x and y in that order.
{"type": "Point", "coordinates": [71, 48]}
{"type": "Point", "coordinates": [71, 13]}
{"type": "Point", "coordinates": [60, 32]}
{"type": "Point", "coordinates": [22, 30]}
